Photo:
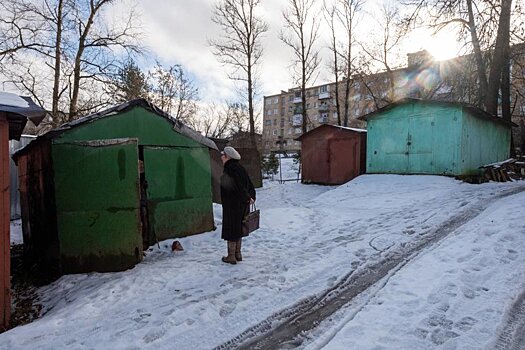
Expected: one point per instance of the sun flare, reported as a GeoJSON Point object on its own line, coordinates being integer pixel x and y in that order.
{"type": "Point", "coordinates": [442, 46]}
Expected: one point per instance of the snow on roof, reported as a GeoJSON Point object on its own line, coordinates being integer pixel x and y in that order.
{"type": "Point", "coordinates": [9, 99]}
{"type": "Point", "coordinates": [347, 128]}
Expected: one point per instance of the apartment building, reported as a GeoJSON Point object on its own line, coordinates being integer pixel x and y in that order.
{"type": "Point", "coordinates": [422, 77]}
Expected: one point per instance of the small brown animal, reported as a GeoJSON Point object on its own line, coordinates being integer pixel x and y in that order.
{"type": "Point", "coordinates": [176, 246]}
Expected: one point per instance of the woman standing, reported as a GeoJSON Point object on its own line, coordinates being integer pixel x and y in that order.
{"type": "Point", "coordinates": [237, 193]}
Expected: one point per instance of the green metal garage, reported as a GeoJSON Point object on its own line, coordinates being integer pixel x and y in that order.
{"type": "Point", "coordinates": [97, 191]}
{"type": "Point", "coordinates": [414, 136]}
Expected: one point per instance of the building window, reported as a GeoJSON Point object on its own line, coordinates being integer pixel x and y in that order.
{"type": "Point", "coordinates": [334, 115]}
{"type": "Point", "coordinates": [282, 123]}
{"type": "Point", "coordinates": [268, 122]}
{"type": "Point", "coordinates": [275, 122]}
{"type": "Point", "coordinates": [274, 132]}
{"type": "Point", "coordinates": [307, 105]}
{"type": "Point", "coordinates": [323, 118]}
{"type": "Point", "coordinates": [282, 111]}
{"type": "Point", "coordinates": [268, 101]}
{"type": "Point", "coordinates": [275, 112]}
{"type": "Point", "coordinates": [290, 98]}
{"type": "Point", "coordinates": [276, 100]}
{"type": "Point", "coordinates": [323, 88]}
{"type": "Point", "coordinates": [297, 130]}
{"type": "Point", "coordinates": [290, 131]}
{"type": "Point", "coordinates": [269, 112]}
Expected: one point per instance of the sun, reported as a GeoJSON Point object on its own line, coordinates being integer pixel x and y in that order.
{"type": "Point", "coordinates": [442, 45]}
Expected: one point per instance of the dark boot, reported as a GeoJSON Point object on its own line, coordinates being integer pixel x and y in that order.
{"type": "Point", "coordinates": [230, 259]}
{"type": "Point", "coordinates": [238, 255]}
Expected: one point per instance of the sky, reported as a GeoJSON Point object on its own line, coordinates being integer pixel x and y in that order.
{"type": "Point", "coordinates": [178, 32]}
{"type": "Point", "coordinates": [459, 272]}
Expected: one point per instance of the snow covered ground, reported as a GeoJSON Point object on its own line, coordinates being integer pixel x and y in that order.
{"type": "Point", "coordinates": [454, 293]}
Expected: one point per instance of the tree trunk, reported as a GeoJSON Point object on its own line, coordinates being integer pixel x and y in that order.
{"type": "Point", "coordinates": [58, 43]}
{"type": "Point", "coordinates": [498, 61]}
{"type": "Point", "coordinates": [78, 57]}
{"type": "Point", "coordinates": [480, 66]}
{"type": "Point", "coordinates": [250, 105]}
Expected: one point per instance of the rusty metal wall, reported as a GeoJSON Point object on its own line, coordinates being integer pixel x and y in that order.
{"type": "Point", "coordinates": [251, 161]}
{"type": "Point", "coordinates": [15, 145]}
{"type": "Point", "coordinates": [5, 269]}
{"type": "Point", "coordinates": [332, 156]}
{"type": "Point", "coordinates": [38, 209]}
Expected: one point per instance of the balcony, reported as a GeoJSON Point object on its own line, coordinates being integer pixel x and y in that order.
{"type": "Point", "coordinates": [297, 99]}
{"type": "Point", "coordinates": [298, 110]}
{"type": "Point", "coordinates": [297, 120]}
{"type": "Point", "coordinates": [324, 107]}
{"type": "Point", "coordinates": [324, 95]}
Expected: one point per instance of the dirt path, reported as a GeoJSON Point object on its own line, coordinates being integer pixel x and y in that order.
{"type": "Point", "coordinates": [286, 329]}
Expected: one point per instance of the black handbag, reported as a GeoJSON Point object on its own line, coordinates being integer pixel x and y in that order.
{"type": "Point", "coordinates": [250, 222]}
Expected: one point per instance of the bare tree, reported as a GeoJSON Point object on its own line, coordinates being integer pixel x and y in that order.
{"type": "Point", "coordinates": [347, 12]}
{"type": "Point", "coordinates": [330, 16]}
{"type": "Point", "coordinates": [240, 45]}
{"type": "Point", "coordinates": [302, 33]}
{"type": "Point", "coordinates": [174, 92]}
{"type": "Point", "coordinates": [487, 25]}
{"type": "Point", "coordinates": [381, 52]}
{"type": "Point", "coordinates": [212, 121]}
{"type": "Point", "coordinates": [66, 42]}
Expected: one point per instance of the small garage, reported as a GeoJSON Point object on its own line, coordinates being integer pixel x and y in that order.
{"type": "Point", "coordinates": [332, 155]}
{"type": "Point", "coordinates": [97, 191]}
{"type": "Point", "coordinates": [414, 136]}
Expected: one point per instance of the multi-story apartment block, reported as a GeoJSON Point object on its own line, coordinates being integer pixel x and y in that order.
{"type": "Point", "coordinates": [451, 80]}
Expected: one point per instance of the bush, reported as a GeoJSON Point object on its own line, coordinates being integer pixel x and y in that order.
{"type": "Point", "coordinates": [270, 165]}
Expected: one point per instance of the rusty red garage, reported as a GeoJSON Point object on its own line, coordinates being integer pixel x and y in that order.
{"type": "Point", "coordinates": [332, 155]}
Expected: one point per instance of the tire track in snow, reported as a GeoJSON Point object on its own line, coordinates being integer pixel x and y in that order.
{"type": "Point", "coordinates": [513, 335]}
{"type": "Point", "coordinates": [286, 328]}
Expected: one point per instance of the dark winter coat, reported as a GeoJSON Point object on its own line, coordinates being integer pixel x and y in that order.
{"type": "Point", "coordinates": [236, 191]}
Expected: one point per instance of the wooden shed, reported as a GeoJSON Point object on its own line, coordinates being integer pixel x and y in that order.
{"type": "Point", "coordinates": [332, 155]}
{"type": "Point", "coordinates": [414, 136]}
{"type": "Point", "coordinates": [97, 191]}
{"type": "Point", "coordinates": [14, 112]}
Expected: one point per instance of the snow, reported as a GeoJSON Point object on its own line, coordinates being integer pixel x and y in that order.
{"type": "Point", "coordinates": [9, 99]}
{"type": "Point", "coordinates": [16, 232]}
{"type": "Point", "coordinates": [452, 294]}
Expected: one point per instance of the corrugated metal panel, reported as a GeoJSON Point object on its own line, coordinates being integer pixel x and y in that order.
{"type": "Point", "coordinates": [483, 143]}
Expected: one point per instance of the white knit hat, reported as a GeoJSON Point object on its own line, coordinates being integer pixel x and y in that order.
{"type": "Point", "coordinates": [231, 152]}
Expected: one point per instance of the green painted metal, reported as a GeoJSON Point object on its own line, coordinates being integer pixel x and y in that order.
{"type": "Point", "coordinates": [419, 138]}
{"type": "Point", "coordinates": [483, 143]}
{"type": "Point", "coordinates": [177, 169]}
{"type": "Point", "coordinates": [97, 201]}
{"type": "Point", "coordinates": [179, 191]}
{"type": "Point", "coordinates": [147, 127]}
